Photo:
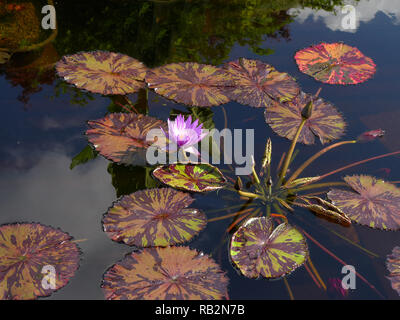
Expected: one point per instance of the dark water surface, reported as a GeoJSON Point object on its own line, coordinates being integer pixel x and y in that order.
{"type": "Point", "coordinates": [42, 130]}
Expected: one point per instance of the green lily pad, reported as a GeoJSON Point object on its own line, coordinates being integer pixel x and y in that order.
{"type": "Point", "coordinates": [200, 177]}
{"type": "Point", "coordinates": [154, 217]}
{"type": "Point", "coordinates": [372, 202]}
{"type": "Point", "coordinates": [258, 249]}
{"type": "Point", "coordinates": [171, 273]}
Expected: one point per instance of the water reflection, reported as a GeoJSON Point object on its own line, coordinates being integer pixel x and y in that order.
{"type": "Point", "coordinates": [73, 200]}
{"type": "Point", "coordinates": [366, 10]}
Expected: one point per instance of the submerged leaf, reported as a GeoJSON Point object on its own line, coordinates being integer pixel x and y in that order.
{"type": "Point", "coordinates": [191, 83]}
{"type": "Point", "coordinates": [259, 250]}
{"type": "Point", "coordinates": [29, 251]}
{"type": "Point", "coordinates": [84, 156]}
{"type": "Point", "coordinates": [370, 135]}
{"type": "Point", "coordinates": [393, 266]}
{"type": "Point", "coordinates": [372, 202]}
{"type": "Point", "coordinates": [128, 179]}
{"type": "Point", "coordinates": [171, 273]}
{"type": "Point", "coordinates": [154, 217]}
{"type": "Point", "coordinates": [121, 137]}
{"type": "Point", "coordinates": [200, 177]}
{"type": "Point", "coordinates": [257, 84]}
{"type": "Point", "coordinates": [102, 72]}
{"type": "Point", "coordinates": [325, 122]}
{"type": "Point", "coordinates": [335, 63]}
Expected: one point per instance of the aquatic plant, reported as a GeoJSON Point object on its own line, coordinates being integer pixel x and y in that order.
{"type": "Point", "coordinates": [155, 220]}
{"type": "Point", "coordinates": [28, 251]}
{"type": "Point", "coordinates": [258, 247]}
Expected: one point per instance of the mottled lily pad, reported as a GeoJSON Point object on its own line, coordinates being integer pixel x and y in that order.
{"type": "Point", "coordinates": [200, 177]}
{"type": "Point", "coordinates": [372, 202]}
{"type": "Point", "coordinates": [121, 137]}
{"type": "Point", "coordinates": [102, 72]}
{"type": "Point", "coordinates": [335, 63]}
{"type": "Point", "coordinates": [258, 249]}
{"type": "Point", "coordinates": [325, 122]}
{"type": "Point", "coordinates": [28, 252]}
{"type": "Point", "coordinates": [191, 83]}
{"type": "Point", "coordinates": [393, 266]}
{"type": "Point", "coordinates": [171, 273]}
{"type": "Point", "coordinates": [257, 84]}
{"type": "Point", "coordinates": [154, 217]}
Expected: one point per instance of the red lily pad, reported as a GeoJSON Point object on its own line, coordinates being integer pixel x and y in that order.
{"type": "Point", "coordinates": [171, 273]}
{"type": "Point", "coordinates": [258, 249]}
{"type": "Point", "coordinates": [191, 83]}
{"type": "Point", "coordinates": [154, 217]}
{"type": "Point", "coordinates": [335, 63]}
{"type": "Point", "coordinates": [200, 177]}
{"type": "Point", "coordinates": [102, 72]}
{"type": "Point", "coordinates": [28, 251]}
{"type": "Point", "coordinates": [372, 202]}
{"type": "Point", "coordinates": [121, 137]}
{"type": "Point", "coordinates": [258, 84]}
{"type": "Point", "coordinates": [393, 266]}
{"type": "Point", "coordinates": [325, 121]}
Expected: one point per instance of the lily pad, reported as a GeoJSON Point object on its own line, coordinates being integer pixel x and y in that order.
{"type": "Point", "coordinates": [191, 83]}
{"type": "Point", "coordinates": [393, 266]}
{"type": "Point", "coordinates": [258, 84]}
{"type": "Point", "coordinates": [335, 63]}
{"type": "Point", "coordinates": [28, 251]}
{"type": "Point", "coordinates": [325, 121]}
{"type": "Point", "coordinates": [171, 273]}
{"type": "Point", "coordinates": [102, 72]}
{"type": "Point", "coordinates": [258, 249]}
{"type": "Point", "coordinates": [372, 202]}
{"type": "Point", "coordinates": [154, 217]}
{"type": "Point", "coordinates": [121, 137]}
{"type": "Point", "coordinates": [200, 177]}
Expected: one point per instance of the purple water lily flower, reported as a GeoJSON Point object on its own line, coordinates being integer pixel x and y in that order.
{"type": "Point", "coordinates": [184, 135]}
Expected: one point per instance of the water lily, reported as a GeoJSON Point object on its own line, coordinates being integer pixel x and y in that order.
{"type": "Point", "coordinates": [183, 135]}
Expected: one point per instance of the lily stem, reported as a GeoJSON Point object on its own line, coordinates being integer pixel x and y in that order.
{"type": "Point", "coordinates": [314, 157]}
{"type": "Point", "coordinates": [320, 185]}
{"type": "Point", "coordinates": [290, 152]}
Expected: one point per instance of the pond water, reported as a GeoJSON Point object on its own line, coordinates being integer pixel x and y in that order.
{"type": "Point", "coordinates": [44, 121]}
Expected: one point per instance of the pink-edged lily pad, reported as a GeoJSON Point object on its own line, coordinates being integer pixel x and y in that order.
{"type": "Point", "coordinates": [372, 202]}
{"type": "Point", "coordinates": [325, 122]}
{"type": "Point", "coordinates": [35, 260]}
{"type": "Point", "coordinates": [191, 83]}
{"type": "Point", "coordinates": [258, 84]}
{"type": "Point", "coordinates": [154, 217]}
{"type": "Point", "coordinates": [201, 177]}
{"type": "Point", "coordinates": [171, 273]}
{"type": "Point", "coordinates": [102, 72]}
{"type": "Point", "coordinates": [259, 249]}
{"type": "Point", "coordinates": [393, 266]}
{"type": "Point", "coordinates": [122, 137]}
{"type": "Point", "coordinates": [335, 63]}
